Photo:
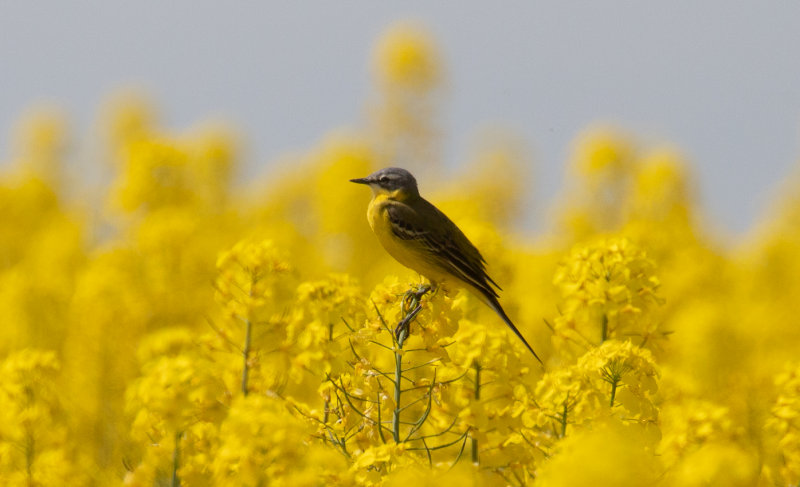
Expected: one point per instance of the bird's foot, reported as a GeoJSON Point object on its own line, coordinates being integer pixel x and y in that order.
{"type": "Point", "coordinates": [413, 297]}
{"type": "Point", "coordinates": [412, 305]}
{"type": "Point", "coordinates": [402, 330]}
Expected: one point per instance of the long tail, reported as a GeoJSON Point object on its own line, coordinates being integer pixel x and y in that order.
{"type": "Point", "coordinates": [493, 303]}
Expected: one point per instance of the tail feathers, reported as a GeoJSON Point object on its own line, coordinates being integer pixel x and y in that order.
{"type": "Point", "coordinates": [495, 305]}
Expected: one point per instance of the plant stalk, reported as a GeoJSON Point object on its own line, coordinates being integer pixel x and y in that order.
{"type": "Point", "coordinates": [176, 456]}
{"type": "Point", "coordinates": [604, 329]}
{"type": "Point", "coordinates": [398, 377]}
{"type": "Point", "coordinates": [613, 392]}
{"type": "Point", "coordinates": [248, 330]}
{"type": "Point", "coordinates": [477, 366]}
{"type": "Point", "coordinates": [246, 355]}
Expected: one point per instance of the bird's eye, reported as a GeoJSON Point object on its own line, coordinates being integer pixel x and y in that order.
{"type": "Point", "coordinates": [384, 179]}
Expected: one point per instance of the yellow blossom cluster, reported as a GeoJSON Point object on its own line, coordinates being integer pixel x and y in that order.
{"type": "Point", "coordinates": [174, 328]}
{"type": "Point", "coordinates": [609, 290]}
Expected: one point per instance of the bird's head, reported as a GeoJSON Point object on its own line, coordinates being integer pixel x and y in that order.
{"type": "Point", "coordinates": [394, 182]}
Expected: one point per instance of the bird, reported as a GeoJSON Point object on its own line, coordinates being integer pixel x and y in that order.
{"type": "Point", "coordinates": [419, 236]}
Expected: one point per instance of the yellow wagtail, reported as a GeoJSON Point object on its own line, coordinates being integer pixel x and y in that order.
{"type": "Point", "coordinates": [422, 238]}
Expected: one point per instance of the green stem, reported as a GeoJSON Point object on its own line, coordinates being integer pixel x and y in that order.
{"type": "Point", "coordinates": [29, 456]}
{"type": "Point", "coordinates": [246, 355]}
{"type": "Point", "coordinates": [327, 402]}
{"type": "Point", "coordinates": [326, 415]}
{"type": "Point", "coordinates": [176, 456]}
{"type": "Point", "coordinates": [613, 392]}
{"type": "Point", "coordinates": [604, 329]}
{"type": "Point", "coordinates": [30, 441]}
{"type": "Point", "coordinates": [410, 306]}
{"type": "Point", "coordinates": [398, 377]}
{"type": "Point", "coordinates": [248, 330]}
{"type": "Point", "coordinates": [477, 366]}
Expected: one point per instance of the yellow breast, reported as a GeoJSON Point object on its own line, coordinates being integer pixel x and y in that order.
{"type": "Point", "coordinates": [407, 252]}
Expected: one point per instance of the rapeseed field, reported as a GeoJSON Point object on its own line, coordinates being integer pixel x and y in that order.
{"type": "Point", "coordinates": [176, 327]}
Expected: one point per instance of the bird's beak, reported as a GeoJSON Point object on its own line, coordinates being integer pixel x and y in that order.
{"type": "Point", "coordinates": [361, 181]}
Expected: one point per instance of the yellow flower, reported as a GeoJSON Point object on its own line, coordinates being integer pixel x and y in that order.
{"type": "Point", "coordinates": [373, 463]}
{"type": "Point", "coordinates": [155, 175]}
{"type": "Point", "coordinates": [34, 439]}
{"type": "Point", "coordinates": [332, 305]}
{"type": "Point", "coordinates": [261, 443]}
{"type": "Point", "coordinates": [602, 169]}
{"type": "Point", "coordinates": [716, 464]}
{"type": "Point", "coordinates": [127, 117]}
{"type": "Point", "coordinates": [602, 150]}
{"type": "Point", "coordinates": [690, 424]}
{"type": "Point", "coordinates": [462, 474]}
{"type": "Point", "coordinates": [41, 141]}
{"type": "Point", "coordinates": [783, 423]}
{"type": "Point", "coordinates": [250, 282]}
{"type": "Point", "coordinates": [406, 56]}
{"type": "Point", "coordinates": [606, 455]}
{"type": "Point", "coordinates": [609, 290]}
{"type": "Point", "coordinates": [617, 379]}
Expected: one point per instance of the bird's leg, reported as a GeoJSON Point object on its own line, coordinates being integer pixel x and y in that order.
{"type": "Point", "coordinates": [401, 331]}
{"type": "Point", "coordinates": [424, 289]}
{"type": "Point", "coordinates": [412, 305]}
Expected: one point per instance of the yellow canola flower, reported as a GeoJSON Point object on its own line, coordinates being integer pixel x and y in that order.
{"type": "Point", "coordinates": [607, 454]}
{"type": "Point", "coordinates": [716, 464]}
{"type": "Point", "coordinates": [175, 405]}
{"type": "Point", "coordinates": [609, 290]}
{"type": "Point", "coordinates": [176, 389]}
{"type": "Point", "coordinates": [423, 353]}
{"type": "Point", "coordinates": [249, 280]}
{"type": "Point", "coordinates": [174, 393]}
{"type": "Point", "coordinates": [661, 191]}
{"type": "Point", "coordinates": [332, 305]}
{"type": "Point", "coordinates": [262, 444]}
{"type": "Point", "coordinates": [260, 323]}
{"type": "Point", "coordinates": [602, 167]}
{"type": "Point", "coordinates": [26, 205]}
{"type": "Point", "coordinates": [492, 190]}
{"type": "Point", "coordinates": [336, 211]}
{"type": "Point", "coordinates": [406, 56]}
{"type": "Point", "coordinates": [126, 117]}
{"type": "Point", "coordinates": [688, 425]}
{"type": "Point", "coordinates": [602, 150]}
{"type": "Point", "coordinates": [433, 328]}
{"type": "Point", "coordinates": [35, 447]}
{"type": "Point", "coordinates": [213, 152]}
{"type": "Point", "coordinates": [42, 248]}
{"type": "Point", "coordinates": [330, 300]}
{"type": "Point", "coordinates": [462, 474]}
{"type": "Point", "coordinates": [784, 422]}
{"type": "Point", "coordinates": [408, 72]}
{"type": "Point", "coordinates": [493, 349]}
{"type": "Point", "coordinates": [176, 247]}
{"type": "Point", "coordinates": [155, 175]}
{"type": "Point", "coordinates": [617, 379]}
{"type": "Point", "coordinates": [161, 171]}
{"type": "Point", "coordinates": [41, 142]}
{"type": "Point", "coordinates": [168, 342]}
{"type": "Point", "coordinates": [371, 465]}
{"type": "Point", "coordinates": [496, 388]}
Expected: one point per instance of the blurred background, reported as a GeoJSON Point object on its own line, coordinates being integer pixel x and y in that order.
{"type": "Point", "coordinates": [718, 81]}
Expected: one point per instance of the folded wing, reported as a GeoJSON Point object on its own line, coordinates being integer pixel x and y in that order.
{"type": "Point", "coordinates": [444, 241]}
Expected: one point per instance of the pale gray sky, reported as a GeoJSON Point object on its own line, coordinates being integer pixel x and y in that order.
{"type": "Point", "coordinates": [720, 79]}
